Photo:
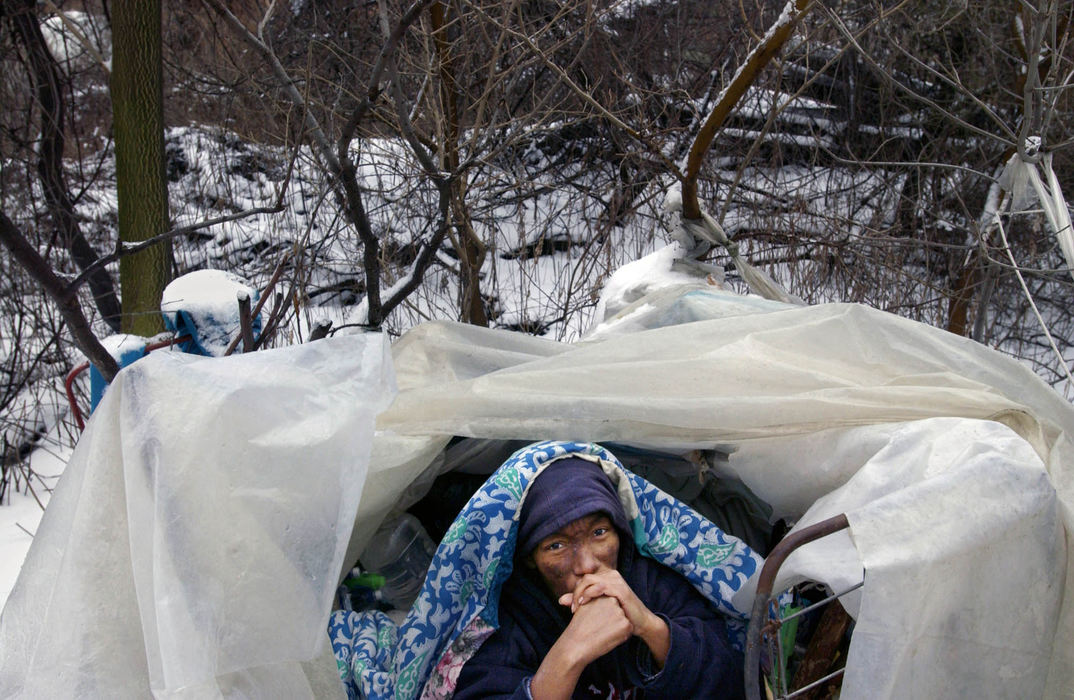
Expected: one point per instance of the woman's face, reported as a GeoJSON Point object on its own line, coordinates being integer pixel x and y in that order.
{"type": "Point", "coordinates": [584, 546]}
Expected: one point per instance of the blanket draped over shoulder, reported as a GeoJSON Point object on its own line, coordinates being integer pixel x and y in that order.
{"type": "Point", "coordinates": [459, 601]}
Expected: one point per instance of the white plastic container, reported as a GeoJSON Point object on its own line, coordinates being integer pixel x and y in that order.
{"type": "Point", "coordinates": [401, 552]}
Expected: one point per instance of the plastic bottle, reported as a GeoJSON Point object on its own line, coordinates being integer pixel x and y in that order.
{"type": "Point", "coordinates": [401, 552]}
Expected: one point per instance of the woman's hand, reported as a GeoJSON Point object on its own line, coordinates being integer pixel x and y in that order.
{"type": "Point", "coordinates": [594, 630]}
{"type": "Point", "coordinates": [644, 623]}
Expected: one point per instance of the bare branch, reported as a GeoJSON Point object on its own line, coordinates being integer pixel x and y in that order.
{"type": "Point", "coordinates": [586, 95]}
{"type": "Point", "coordinates": [838, 23]}
{"type": "Point", "coordinates": [124, 249]}
{"type": "Point", "coordinates": [68, 305]}
{"type": "Point", "coordinates": [46, 77]}
{"type": "Point", "coordinates": [83, 40]}
{"type": "Point", "coordinates": [744, 77]}
{"type": "Point", "coordinates": [373, 89]}
{"type": "Point", "coordinates": [324, 145]}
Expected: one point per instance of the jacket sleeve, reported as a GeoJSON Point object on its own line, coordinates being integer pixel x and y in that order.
{"type": "Point", "coordinates": [700, 660]}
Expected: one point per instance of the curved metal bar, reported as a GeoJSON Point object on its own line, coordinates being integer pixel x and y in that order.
{"type": "Point", "coordinates": [68, 386]}
{"type": "Point", "coordinates": [767, 579]}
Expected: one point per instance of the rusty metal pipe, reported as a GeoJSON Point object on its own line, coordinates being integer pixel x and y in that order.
{"type": "Point", "coordinates": [765, 582]}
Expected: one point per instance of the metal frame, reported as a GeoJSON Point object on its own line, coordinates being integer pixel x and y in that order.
{"type": "Point", "coordinates": [759, 622]}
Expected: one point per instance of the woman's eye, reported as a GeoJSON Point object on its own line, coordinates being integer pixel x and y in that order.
{"type": "Point", "coordinates": [553, 546]}
{"type": "Point", "coordinates": [600, 531]}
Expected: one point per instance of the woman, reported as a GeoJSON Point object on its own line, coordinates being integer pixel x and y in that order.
{"type": "Point", "coordinates": [584, 615]}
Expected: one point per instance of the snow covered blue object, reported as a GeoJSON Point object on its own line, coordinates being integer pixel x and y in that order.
{"type": "Point", "coordinates": [204, 305]}
{"type": "Point", "coordinates": [457, 608]}
{"type": "Point", "coordinates": [125, 349]}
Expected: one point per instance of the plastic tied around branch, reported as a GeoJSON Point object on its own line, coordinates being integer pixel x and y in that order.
{"type": "Point", "coordinates": [1020, 174]}
{"type": "Point", "coordinates": [707, 229]}
{"type": "Point", "coordinates": [1055, 207]}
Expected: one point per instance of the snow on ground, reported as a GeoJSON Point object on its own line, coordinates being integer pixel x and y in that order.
{"type": "Point", "coordinates": [21, 512]}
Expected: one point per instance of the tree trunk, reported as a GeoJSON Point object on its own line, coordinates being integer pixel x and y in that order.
{"type": "Point", "coordinates": [66, 299]}
{"type": "Point", "coordinates": [747, 73]}
{"type": "Point", "coordinates": [138, 114]}
{"type": "Point", "coordinates": [472, 253]}
{"type": "Point", "coordinates": [469, 247]}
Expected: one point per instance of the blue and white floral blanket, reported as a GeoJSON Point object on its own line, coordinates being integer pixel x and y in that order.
{"type": "Point", "coordinates": [459, 601]}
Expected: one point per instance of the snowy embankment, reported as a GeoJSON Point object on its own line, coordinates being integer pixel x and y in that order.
{"type": "Point", "coordinates": [23, 509]}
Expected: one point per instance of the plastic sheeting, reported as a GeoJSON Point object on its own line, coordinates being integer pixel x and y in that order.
{"type": "Point", "coordinates": [826, 402]}
{"type": "Point", "coordinates": [956, 526]}
{"type": "Point", "coordinates": [192, 547]}
{"type": "Point", "coordinates": [954, 464]}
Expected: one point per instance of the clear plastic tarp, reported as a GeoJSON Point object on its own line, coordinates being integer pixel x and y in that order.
{"type": "Point", "coordinates": [954, 465]}
{"type": "Point", "coordinates": [953, 462]}
{"type": "Point", "coordinates": [192, 547]}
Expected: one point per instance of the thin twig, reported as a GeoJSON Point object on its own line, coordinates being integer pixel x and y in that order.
{"type": "Point", "coordinates": [586, 96]}
{"type": "Point", "coordinates": [838, 23]}
{"type": "Point", "coordinates": [277, 273]}
{"type": "Point", "coordinates": [80, 35]}
{"type": "Point", "coordinates": [1033, 304]}
{"type": "Point", "coordinates": [124, 249]}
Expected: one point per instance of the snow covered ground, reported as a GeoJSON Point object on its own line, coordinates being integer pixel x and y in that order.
{"type": "Point", "coordinates": [21, 513]}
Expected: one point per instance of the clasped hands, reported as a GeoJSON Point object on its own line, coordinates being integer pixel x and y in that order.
{"type": "Point", "coordinates": [606, 612]}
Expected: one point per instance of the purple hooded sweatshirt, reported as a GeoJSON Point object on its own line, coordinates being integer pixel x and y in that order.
{"type": "Point", "coordinates": [700, 662]}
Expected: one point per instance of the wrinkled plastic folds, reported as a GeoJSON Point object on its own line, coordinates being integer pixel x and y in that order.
{"type": "Point", "coordinates": [760, 282]}
{"type": "Point", "coordinates": [192, 548]}
{"type": "Point", "coordinates": [954, 463]}
{"type": "Point", "coordinates": [955, 523]}
{"type": "Point", "coordinates": [1020, 173]}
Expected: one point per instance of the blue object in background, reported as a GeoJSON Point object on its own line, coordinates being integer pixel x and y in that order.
{"type": "Point", "coordinates": [203, 304]}
{"type": "Point", "coordinates": [126, 349]}
{"type": "Point", "coordinates": [205, 330]}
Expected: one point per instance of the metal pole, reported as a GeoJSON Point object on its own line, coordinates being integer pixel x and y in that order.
{"type": "Point", "coordinates": [767, 579]}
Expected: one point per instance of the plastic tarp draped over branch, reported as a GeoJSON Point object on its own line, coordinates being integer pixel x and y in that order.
{"type": "Point", "coordinates": [1019, 174]}
{"type": "Point", "coordinates": [952, 462]}
{"type": "Point", "coordinates": [193, 545]}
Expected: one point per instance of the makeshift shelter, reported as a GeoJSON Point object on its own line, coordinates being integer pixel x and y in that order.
{"type": "Point", "coordinates": [194, 543]}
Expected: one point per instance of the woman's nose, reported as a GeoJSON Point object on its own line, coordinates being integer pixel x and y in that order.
{"type": "Point", "coordinates": [585, 561]}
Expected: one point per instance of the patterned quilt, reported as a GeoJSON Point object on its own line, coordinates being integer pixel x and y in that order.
{"type": "Point", "coordinates": [458, 604]}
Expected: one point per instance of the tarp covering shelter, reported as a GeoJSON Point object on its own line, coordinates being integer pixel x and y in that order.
{"type": "Point", "coordinates": [192, 546]}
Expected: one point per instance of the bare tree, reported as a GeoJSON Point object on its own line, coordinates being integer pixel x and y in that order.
{"type": "Point", "coordinates": [493, 161]}
{"type": "Point", "coordinates": [869, 160]}
{"type": "Point", "coordinates": [138, 121]}
{"type": "Point", "coordinates": [336, 158]}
